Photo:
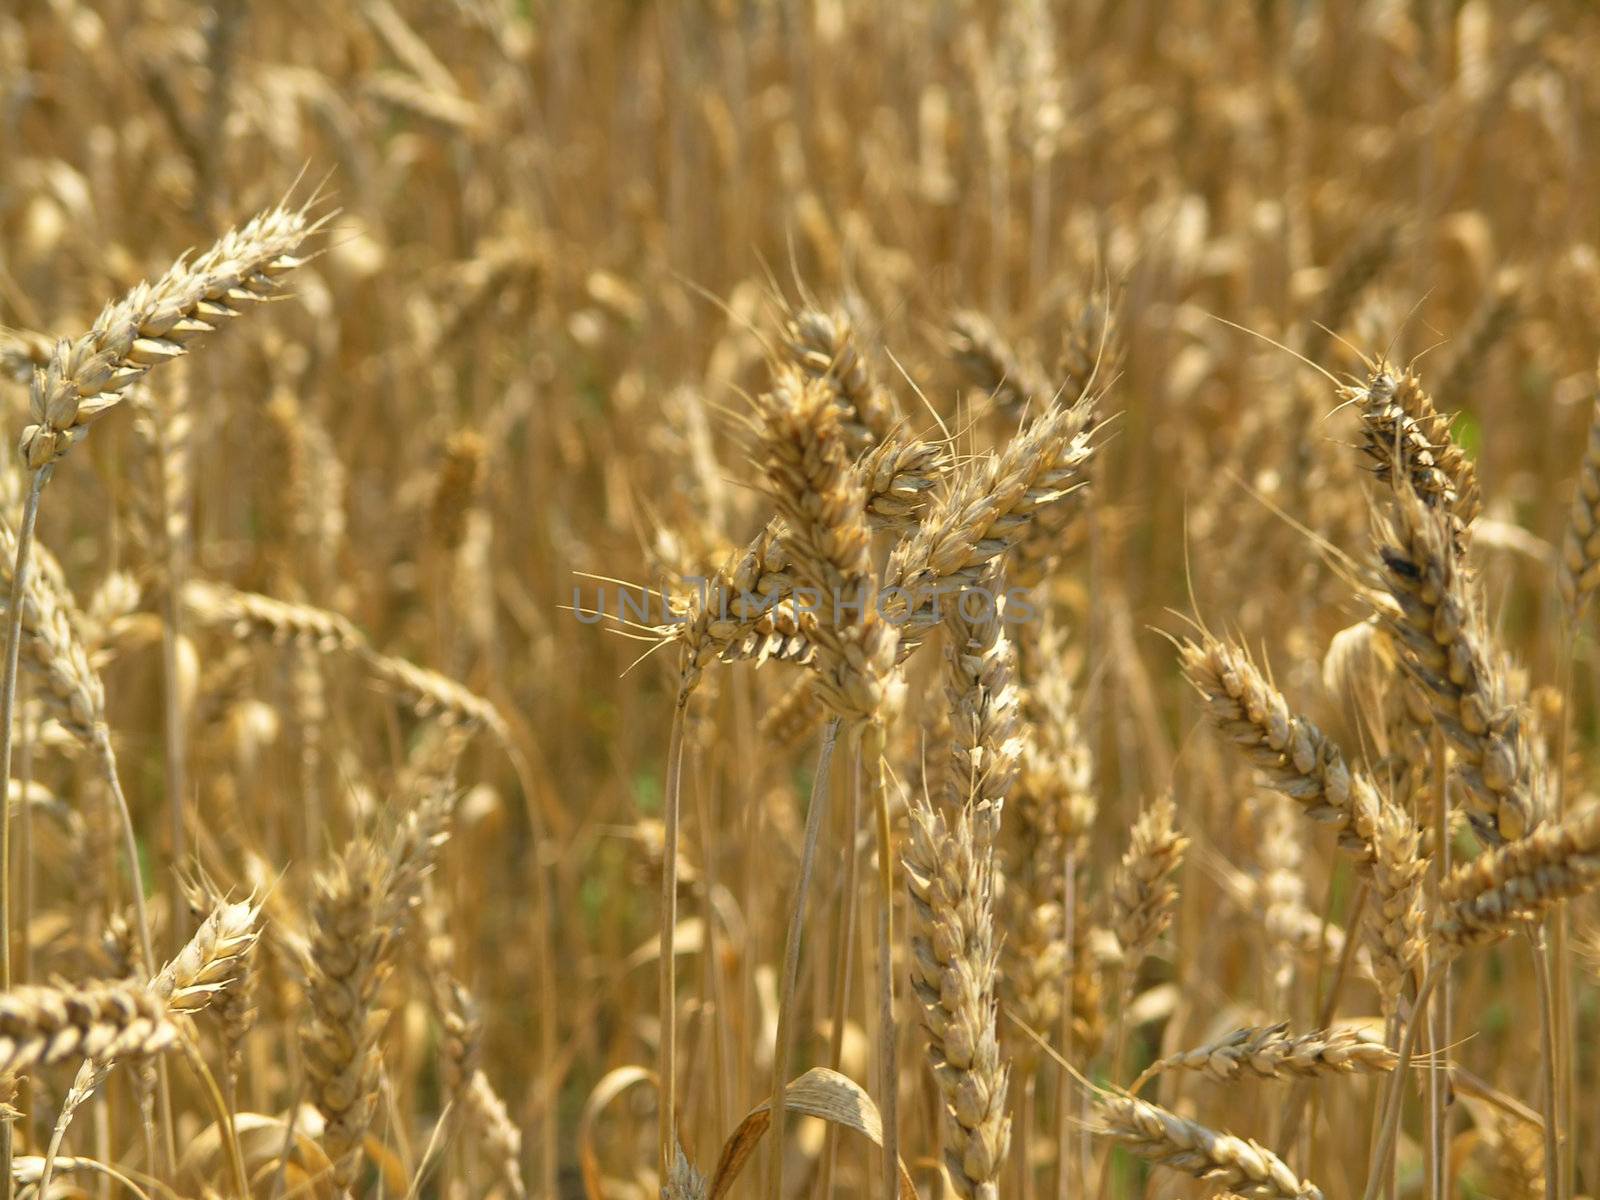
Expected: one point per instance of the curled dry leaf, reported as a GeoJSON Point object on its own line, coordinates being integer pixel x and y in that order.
{"type": "Point", "coordinates": [818, 1093]}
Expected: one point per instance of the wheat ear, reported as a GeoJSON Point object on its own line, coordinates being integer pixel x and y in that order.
{"type": "Point", "coordinates": [1436, 618]}
{"type": "Point", "coordinates": [1142, 894]}
{"type": "Point", "coordinates": [1300, 761]}
{"type": "Point", "coordinates": [822, 500]}
{"type": "Point", "coordinates": [1244, 1167]}
{"type": "Point", "coordinates": [989, 508]}
{"type": "Point", "coordinates": [349, 962]}
{"type": "Point", "coordinates": [1409, 439]}
{"type": "Point", "coordinates": [42, 1026]}
{"type": "Point", "coordinates": [993, 364]}
{"type": "Point", "coordinates": [825, 347]}
{"type": "Point", "coordinates": [950, 875]}
{"type": "Point", "coordinates": [1487, 898]}
{"type": "Point", "coordinates": [1578, 572]}
{"type": "Point", "coordinates": [156, 323]}
{"type": "Point", "coordinates": [1271, 1052]}
{"type": "Point", "coordinates": [478, 1107]}
{"type": "Point", "coordinates": [213, 960]}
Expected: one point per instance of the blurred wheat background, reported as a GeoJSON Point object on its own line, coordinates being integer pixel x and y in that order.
{"type": "Point", "coordinates": [361, 842]}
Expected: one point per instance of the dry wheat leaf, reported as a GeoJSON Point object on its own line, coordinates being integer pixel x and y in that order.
{"type": "Point", "coordinates": [611, 1086]}
{"type": "Point", "coordinates": [818, 1093]}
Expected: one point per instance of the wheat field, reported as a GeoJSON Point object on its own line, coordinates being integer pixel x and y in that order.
{"type": "Point", "coordinates": [612, 599]}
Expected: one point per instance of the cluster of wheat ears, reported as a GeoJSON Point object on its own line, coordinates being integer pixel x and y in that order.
{"type": "Point", "coordinates": [799, 598]}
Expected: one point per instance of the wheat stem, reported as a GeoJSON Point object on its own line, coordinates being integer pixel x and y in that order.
{"type": "Point", "coordinates": [8, 703]}
{"type": "Point", "coordinates": [1547, 1067]}
{"type": "Point", "coordinates": [872, 746]}
{"type": "Point", "coordinates": [782, 1048]}
{"type": "Point", "coordinates": [668, 984]}
{"type": "Point", "coordinates": [845, 959]}
{"type": "Point", "coordinates": [1394, 1098]}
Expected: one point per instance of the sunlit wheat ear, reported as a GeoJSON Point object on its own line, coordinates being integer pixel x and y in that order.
{"type": "Point", "coordinates": [1436, 619]}
{"type": "Point", "coordinates": [349, 960]}
{"type": "Point", "coordinates": [980, 689]}
{"type": "Point", "coordinates": [1579, 569]}
{"type": "Point", "coordinates": [899, 475]}
{"type": "Point", "coordinates": [41, 1026]}
{"type": "Point", "coordinates": [232, 994]}
{"type": "Point", "coordinates": [1487, 898]}
{"type": "Point", "coordinates": [989, 507]}
{"type": "Point", "coordinates": [1271, 1052]}
{"type": "Point", "coordinates": [215, 959]}
{"type": "Point", "coordinates": [1144, 889]}
{"type": "Point", "coordinates": [155, 323]}
{"type": "Point", "coordinates": [950, 874]}
{"type": "Point", "coordinates": [1290, 752]}
{"type": "Point", "coordinates": [825, 346]}
{"type": "Point", "coordinates": [1409, 440]}
{"type": "Point", "coordinates": [1243, 1167]}
{"type": "Point", "coordinates": [822, 500]}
